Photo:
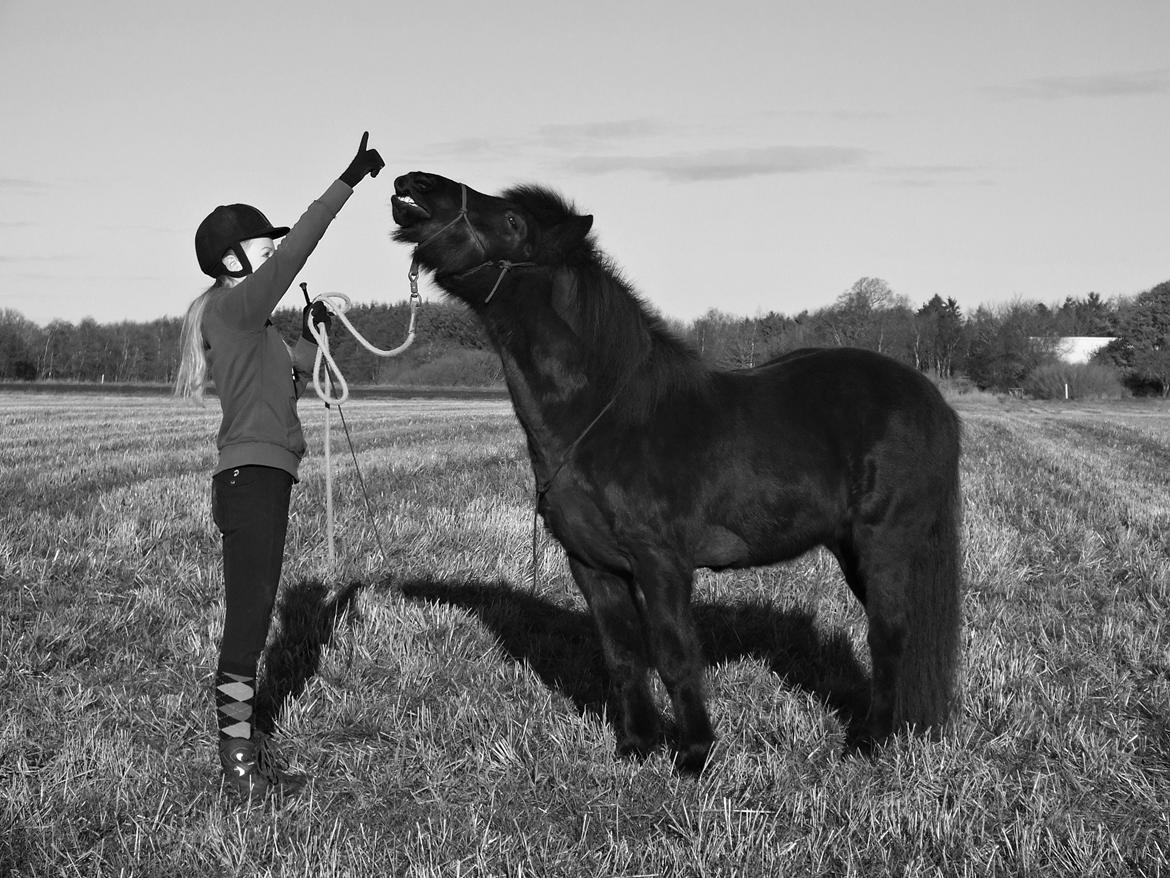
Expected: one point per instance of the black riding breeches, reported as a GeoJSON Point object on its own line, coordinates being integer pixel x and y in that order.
{"type": "Point", "coordinates": [250, 508]}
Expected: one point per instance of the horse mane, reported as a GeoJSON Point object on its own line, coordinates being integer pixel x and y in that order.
{"type": "Point", "coordinates": [629, 344]}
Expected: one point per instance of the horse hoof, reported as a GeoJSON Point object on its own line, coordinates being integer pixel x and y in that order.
{"type": "Point", "coordinates": [693, 758]}
{"type": "Point", "coordinates": [864, 743]}
{"type": "Point", "coordinates": [635, 747]}
{"type": "Point", "coordinates": [859, 745]}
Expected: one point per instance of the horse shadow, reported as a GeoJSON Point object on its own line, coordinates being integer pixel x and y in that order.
{"type": "Point", "coordinates": [560, 644]}
{"type": "Point", "coordinates": [307, 615]}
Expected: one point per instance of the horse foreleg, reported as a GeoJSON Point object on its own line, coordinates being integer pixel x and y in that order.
{"type": "Point", "coordinates": [666, 589]}
{"type": "Point", "coordinates": [623, 644]}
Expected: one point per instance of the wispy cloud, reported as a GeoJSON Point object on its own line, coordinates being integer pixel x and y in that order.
{"type": "Point", "coordinates": [53, 260]}
{"type": "Point", "coordinates": [608, 131]}
{"type": "Point", "coordinates": [21, 184]}
{"type": "Point", "coordinates": [725, 164]}
{"type": "Point", "coordinates": [136, 229]}
{"type": "Point", "coordinates": [644, 146]}
{"type": "Point", "coordinates": [928, 176]}
{"type": "Point", "coordinates": [1101, 85]}
{"type": "Point", "coordinates": [559, 138]}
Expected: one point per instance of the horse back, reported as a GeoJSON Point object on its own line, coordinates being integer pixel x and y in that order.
{"type": "Point", "coordinates": [816, 441]}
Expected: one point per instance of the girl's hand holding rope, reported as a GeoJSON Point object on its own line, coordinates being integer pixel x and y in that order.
{"type": "Point", "coordinates": [336, 304]}
{"type": "Point", "coordinates": [318, 313]}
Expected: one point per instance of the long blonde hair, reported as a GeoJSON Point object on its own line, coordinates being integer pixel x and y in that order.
{"type": "Point", "coordinates": [191, 378]}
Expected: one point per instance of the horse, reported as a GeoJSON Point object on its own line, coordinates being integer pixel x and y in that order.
{"type": "Point", "coordinates": [649, 464]}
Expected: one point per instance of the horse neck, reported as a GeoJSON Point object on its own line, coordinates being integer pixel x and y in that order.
{"type": "Point", "coordinates": [560, 377]}
{"type": "Point", "coordinates": [550, 390]}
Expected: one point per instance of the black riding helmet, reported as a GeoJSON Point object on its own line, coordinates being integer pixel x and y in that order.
{"type": "Point", "coordinates": [223, 229]}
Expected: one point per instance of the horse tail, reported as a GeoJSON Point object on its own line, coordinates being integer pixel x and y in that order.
{"type": "Point", "coordinates": [926, 682]}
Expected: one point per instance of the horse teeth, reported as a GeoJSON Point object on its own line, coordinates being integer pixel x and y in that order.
{"type": "Point", "coordinates": [406, 199]}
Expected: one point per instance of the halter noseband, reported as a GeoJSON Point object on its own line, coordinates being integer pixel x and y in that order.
{"type": "Point", "coordinates": [503, 264]}
{"type": "Point", "coordinates": [462, 215]}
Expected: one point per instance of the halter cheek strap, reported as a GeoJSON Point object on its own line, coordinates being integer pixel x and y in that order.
{"type": "Point", "coordinates": [459, 217]}
{"type": "Point", "coordinates": [503, 264]}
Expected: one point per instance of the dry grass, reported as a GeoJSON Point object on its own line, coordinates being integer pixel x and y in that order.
{"type": "Point", "coordinates": [453, 719]}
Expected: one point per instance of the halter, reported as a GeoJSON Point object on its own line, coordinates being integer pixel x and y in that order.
{"type": "Point", "coordinates": [461, 216]}
{"type": "Point", "coordinates": [504, 265]}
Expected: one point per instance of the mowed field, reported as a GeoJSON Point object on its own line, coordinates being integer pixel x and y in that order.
{"type": "Point", "coordinates": [452, 714]}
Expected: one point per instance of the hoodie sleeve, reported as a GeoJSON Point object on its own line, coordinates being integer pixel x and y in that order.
{"type": "Point", "coordinates": [257, 295]}
{"type": "Point", "coordinates": [304, 356]}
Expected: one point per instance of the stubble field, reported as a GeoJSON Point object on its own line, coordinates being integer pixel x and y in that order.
{"type": "Point", "coordinates": [452, 714]}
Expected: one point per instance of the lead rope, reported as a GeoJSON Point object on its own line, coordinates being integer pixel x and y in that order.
{"type": "Point", "coordinates": [337, 303]}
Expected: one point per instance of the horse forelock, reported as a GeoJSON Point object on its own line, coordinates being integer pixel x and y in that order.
{"type": "Point", "coordinates": [546, 205]}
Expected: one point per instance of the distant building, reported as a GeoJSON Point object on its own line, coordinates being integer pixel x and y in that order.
{"type": "Point", "coordinates": [1076, 348]}
{"type": "Point", "coordinates": [1080, 348]}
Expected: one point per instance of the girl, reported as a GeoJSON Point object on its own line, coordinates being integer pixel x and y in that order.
{"type": "Point", "coordinates": [258, 380]}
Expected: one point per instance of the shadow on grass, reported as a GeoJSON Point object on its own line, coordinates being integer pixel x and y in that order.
{"type": "Point", "coordinates": [561, 645]}
{"type": "Point", "coordinates": [307, 615]}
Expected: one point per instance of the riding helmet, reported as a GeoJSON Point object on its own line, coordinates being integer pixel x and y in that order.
{"type": "Point", "coordinates": [226, 226]}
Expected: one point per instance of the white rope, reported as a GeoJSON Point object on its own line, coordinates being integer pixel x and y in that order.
{"type": "Point", "coordinates": [337, 303]}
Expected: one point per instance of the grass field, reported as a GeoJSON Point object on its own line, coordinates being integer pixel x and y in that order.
{"type": "Point", "coordinates": [452, 716]}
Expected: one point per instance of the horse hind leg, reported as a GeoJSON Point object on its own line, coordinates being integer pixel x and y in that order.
{"type": "Point", "coordinates": [911, 588]}
{"type": "Point", "coordinates": [619, 626]}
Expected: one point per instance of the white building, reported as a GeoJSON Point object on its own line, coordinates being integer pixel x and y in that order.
{"type": "Point", "coordinates": [1080, 348]}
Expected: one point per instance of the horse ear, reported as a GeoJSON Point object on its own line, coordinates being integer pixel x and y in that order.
{"type": "Point", "coordinates": [571, 233]}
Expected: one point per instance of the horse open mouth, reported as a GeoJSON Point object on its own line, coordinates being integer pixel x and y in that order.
{"type": "Point", "coordinates": [406, 211]}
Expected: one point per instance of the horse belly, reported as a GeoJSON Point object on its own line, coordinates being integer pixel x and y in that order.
{"type": "Point", "coordinates": [765, 522]}
{"type": "Point", "coordinates": [719, 548]}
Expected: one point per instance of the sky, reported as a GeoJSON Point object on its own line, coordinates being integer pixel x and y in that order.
{"type": "Point", "coordinates": [743, 156]}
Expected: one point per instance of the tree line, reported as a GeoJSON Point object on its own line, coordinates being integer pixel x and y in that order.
{"type": "Point", "coordinates": [1000, 348]}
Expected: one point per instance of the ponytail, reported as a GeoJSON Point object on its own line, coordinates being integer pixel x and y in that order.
{"type": "Point", "coordinates": [192, 374]}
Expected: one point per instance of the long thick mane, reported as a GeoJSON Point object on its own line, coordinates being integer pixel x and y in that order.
{"type": "Point", "coordinates": [628, 343]}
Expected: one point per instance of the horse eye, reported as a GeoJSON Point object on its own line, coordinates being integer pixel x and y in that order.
{"type": "Point", "coordinates": [511, 221]}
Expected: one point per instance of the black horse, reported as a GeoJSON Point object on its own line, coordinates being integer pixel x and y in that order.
{"type": "Point", "coordinates": [649, 464]}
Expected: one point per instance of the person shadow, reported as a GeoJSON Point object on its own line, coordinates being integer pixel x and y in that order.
{"type": "Point", "coordinates": [307, 616]}
{"type": "Point", "coordinates": [560, 644]}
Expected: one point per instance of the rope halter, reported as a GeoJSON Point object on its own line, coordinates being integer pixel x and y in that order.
{"type": "Point", "coordinates": [504, 265]}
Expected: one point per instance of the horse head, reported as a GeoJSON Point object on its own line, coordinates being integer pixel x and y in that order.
{"type": "Point", "coordinates": [458, 231]}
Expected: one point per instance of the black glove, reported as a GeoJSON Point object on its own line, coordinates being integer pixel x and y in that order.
{"type": "Point", "coordinates": [367, 161]}
{"type": "Point", "coordinates": [321, 318]}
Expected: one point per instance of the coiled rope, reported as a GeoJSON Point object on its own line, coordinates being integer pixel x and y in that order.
{"type": "Point", "coordinates": [323, 365]}
{"type": "Point", "coordinates": [338, 303]}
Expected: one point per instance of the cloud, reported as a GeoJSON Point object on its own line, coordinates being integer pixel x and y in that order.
{"type": "Point", "coordinates": [639, 145]}
{"type": "Point", "coordinates": [1101, 85]}
{"type": "Point", "coordinates": [469, 147]}
{"type": "Point", "coordinates": [572, 137]}
{"type": "Point", "coordinates": [608, 131]}
{"type": "Point", "coordinates": [136, 229]}
{"type": "Point", "coordinates": [927, 176]}
{"type": "Point", "coordinates": [725, 164]}
{"type": "Point", "coordinates": [21, 184]}
{"type": "Point", "coordinates": [9, 259]}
